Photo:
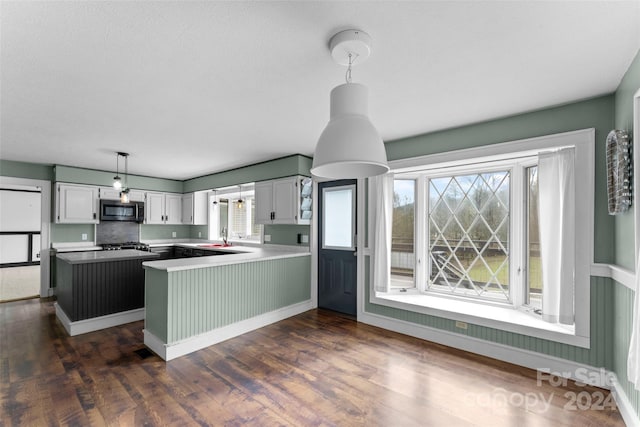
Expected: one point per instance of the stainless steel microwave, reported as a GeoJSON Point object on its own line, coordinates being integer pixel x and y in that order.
{"type": "Point", "coordinates": [114, 210]}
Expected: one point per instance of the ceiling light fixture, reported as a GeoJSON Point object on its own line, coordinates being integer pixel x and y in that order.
{"type": "Point", "coordinates": [117, 183]}
{"type": "Point", "coordinates": [350, 146]}
{"type": "Point", "coordinates": [240, 202]}
{"type": "Point", "coordinates": [124, 194]}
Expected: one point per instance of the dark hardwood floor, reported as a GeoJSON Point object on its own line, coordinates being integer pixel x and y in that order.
{"type": "Point", "coordinates": [315, 369]}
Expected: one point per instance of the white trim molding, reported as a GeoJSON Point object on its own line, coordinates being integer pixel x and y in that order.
{"type": "Point", "coordinates": [97, 323]}
{"type": "Point", "coordinates": [171, 351]}
{"type": "Point", "coordinates": [619, 274]}
{"type": "Point", "coordinates": [629, 415]}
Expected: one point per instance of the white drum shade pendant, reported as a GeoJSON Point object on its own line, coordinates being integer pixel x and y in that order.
{"type": "Point", "coordinates": [350, 146]}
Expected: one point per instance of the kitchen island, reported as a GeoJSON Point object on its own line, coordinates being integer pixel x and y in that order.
{"type": "Point", "coordinates": [193, 303]}
{"type": "Point", "coordinates": [100, 289]}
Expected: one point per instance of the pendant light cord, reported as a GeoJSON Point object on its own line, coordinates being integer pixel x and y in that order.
{"type": "Point", "coordinates": [352, 58]}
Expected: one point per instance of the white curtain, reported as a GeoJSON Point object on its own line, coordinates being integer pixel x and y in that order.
{"type": "Point", "coordinates": [381, 203]}
{"type": "Point", "coordinates": [633, 360]}
{"type": "Point", "coordinates": [556, 212]}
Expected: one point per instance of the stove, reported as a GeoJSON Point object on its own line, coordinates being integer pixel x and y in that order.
{"type": "Point", "coordinates": [126, 245]}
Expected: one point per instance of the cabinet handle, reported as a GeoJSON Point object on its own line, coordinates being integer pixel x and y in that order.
{"type": "Point", "coordinates": [94, 215]}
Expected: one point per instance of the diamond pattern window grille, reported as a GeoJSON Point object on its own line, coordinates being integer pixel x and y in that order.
{"type": "Point", "coordinates": [469, 235]}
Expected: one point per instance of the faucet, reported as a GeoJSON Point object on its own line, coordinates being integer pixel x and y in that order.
{"type": "Point", "coordinates": [224, 235]}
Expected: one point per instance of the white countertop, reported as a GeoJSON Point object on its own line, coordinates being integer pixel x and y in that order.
{"type": "Point", "coordinates": [75, 247]}
{"type": "Point", "coordinates": [248, 254]}
{"type": "Point", "coordinates": [103, 256]}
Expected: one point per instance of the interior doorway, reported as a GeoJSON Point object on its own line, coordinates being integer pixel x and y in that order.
{"type": "Point", "coordinates": [20, 227]}
{"type": "Point", "coordinates": [24, 241]}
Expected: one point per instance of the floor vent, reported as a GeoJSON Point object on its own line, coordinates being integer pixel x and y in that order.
{"type": "Point", "coordinates": [144, 353]}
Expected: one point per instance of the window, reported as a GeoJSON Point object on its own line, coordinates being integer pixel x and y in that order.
{"type": "Point", "coordinates": [232, 218]}
{"type": "Point", "coordinates": [467, 220]}
{"type": "Point", "coordinates": [470, 230]}
{"type": "Point", "coordinates": [402, 234]}
{"type": "Point", "coordinates": [468, 224]}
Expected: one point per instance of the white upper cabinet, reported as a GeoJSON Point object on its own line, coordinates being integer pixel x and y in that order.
{"type": "Point", "coordinates": [173, 208]}
{"type": "Point", "coordinates": [154, 208]}
{"type": "Point", "coordinates": [264, 202]}
{"type": "Point", "coordinates": [76, 204]}
{"type": "Point", "coordinates": [195, 208]}
{"type": "Point", "coordinates": [281, 201]}
{"type": "Point", "coordinates": [110, 193]}
{"type": "Point", "coordinates": [163, 208]}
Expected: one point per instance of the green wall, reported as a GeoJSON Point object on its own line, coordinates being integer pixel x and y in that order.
{"type": "Point", "coordinates": [286, 166]}
{"type": "Point", "coordinates": [595, 113]}
{"type": "Point", "coordinates": [26, 170]}
{"type": "Point", "coordinates": [286, 234]}
{"type": "Point", "coordinates": [163, 232]}
{"type": "Point", "coordinates": [272, 169]}
{"type": "Point", "coordinates": [624, 226]}
{"type": "Point", "coordinates": [96, 177]}
{"type": "Point", "coordinates": [63, 233]}
{"type": "Point", "coordinates": [623, 297]}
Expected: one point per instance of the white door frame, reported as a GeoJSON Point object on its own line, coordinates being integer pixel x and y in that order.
{"type": "Point", "coordinates": [45, 221]}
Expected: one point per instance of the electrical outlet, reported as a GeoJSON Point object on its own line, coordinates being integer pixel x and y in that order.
{"type": "Point", "coordinates": [173, 234]}
{"type": "Point", "coordinates": [84, 236]}
{"type": "Point", "coordinates": [199, 233]}
{"type": "Point", "coordinates": [305, 238]}
{"type": "Point", "coordinates": [267, 237]}
{"type": "Point", "coordinates": [461, 325]}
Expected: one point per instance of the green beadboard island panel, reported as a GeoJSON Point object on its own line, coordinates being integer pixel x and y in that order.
{"type": "Point", "coordinates": [187, 305]}
{"type": "Point", "coordinates": [156, 302]}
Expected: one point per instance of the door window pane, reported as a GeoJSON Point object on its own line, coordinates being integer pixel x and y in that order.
{"type": "Point", "coordinates": [338, 216]}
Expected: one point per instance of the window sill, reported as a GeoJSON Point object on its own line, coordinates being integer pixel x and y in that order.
{"type": "Point", "coordinates": [498, 317]}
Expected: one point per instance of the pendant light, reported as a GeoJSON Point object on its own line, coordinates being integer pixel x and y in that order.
{"type": "Point", "coordinates": [124, 194]}
{"type": "Point", "coordinates": [240, 202]}
{"type": "Point", "coordinates": [117, 183]}
{"type": "Point", "coordinates": [350, 146]}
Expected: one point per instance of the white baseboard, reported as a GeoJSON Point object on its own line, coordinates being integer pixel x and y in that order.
{"type": "Point", "coordinates": [627, 412]}
{"type": "Point", "coordinates": [95, 324]}
{"type": "Point", "coordinates": [171, 351]}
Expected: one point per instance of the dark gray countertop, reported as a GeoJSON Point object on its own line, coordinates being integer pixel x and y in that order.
{"type": "Point", "coordinates": [104, 256]}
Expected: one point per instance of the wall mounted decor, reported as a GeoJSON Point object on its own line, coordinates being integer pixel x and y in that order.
{"type": "Point", "coordinates": [619, 171]}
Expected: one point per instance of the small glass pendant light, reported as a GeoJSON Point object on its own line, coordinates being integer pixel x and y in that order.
{"type": "Point", "coordinates": [117, 183]}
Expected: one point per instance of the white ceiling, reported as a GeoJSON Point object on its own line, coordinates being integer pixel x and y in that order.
{"type": "Point", "coordinates": [192, 88]}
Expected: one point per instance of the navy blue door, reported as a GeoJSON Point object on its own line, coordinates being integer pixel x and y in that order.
{"type": "Point", "coordinates": [337, 246]}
